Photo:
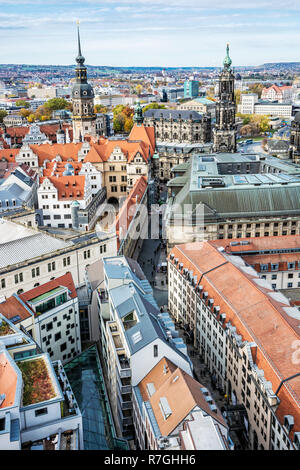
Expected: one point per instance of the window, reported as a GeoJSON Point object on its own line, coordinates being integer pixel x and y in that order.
{"type": "Point", "coordinates": [57, 336]}
{"type": "Point", "coordinates": [155, 350]}
{"type": "Point", "coordinates": [102, 249]}
{"type": "Point", "coordinates": [49, 326]}
{"type": "Point", "coordinates": [66, 261]}
{"type": "Point", "coordinates": [51, 266]}
{"type": "Point", "coordinates": [18, 278]}
{"type": "Point", "coordinates": [63, 347]}
{"type": "Point", "coordinates": [2, 283]}
{"type": "Point", "coordinates": [35, 272]}
{"type": "Point", "coordinates": [86, 254]}
{"type": "Point", "coordinates": [41, 411]}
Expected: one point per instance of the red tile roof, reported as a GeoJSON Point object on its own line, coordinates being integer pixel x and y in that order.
{"type": "Point", "coordinates": [128, 209]}
{"type": "Point", "coordinates": [174, 390]}
{"type": "Point", "coordinates": [68, 187]}
{"type": "Point", "coordinates": [13, 307]}
{"type": "Point", "coordinates": [145, 134]}
{"type": "Point", "coordinates": [65, 281]}
{"type": "Point", "coordinates": [256, 316]}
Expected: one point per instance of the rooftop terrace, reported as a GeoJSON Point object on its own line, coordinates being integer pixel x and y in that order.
{"type": "Point", "coordinates": [38, 383]}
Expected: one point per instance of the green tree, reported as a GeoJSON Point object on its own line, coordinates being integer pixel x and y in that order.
{"type": "Point", "coordinates": [237, 96]}
{"type": "Point", "coordinates": [22, 103]}
{"type": "Point", "coordinates": [153, 106]}
{"type": "Point", "coordinates": [99, 108]}
{"type": "Point", "coordinates": [128, 125]}
{"type": "Point", "coordinates": [138, 89]}
{"type": "Point", "coordinates": [56, 103]}
{"type": "Point", "coordinates": [3, 113]}
{"type": "Point", "coordinates": [118, 122]}
{"type": "Point", "coordinates": [256, 88]}
{"type": "Point", "coordinates": [31, 118]}
{"type": "Point", "coordinates": [25, 112]}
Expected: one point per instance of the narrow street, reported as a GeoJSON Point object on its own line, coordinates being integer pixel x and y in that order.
{"type": "Point", "coordinates": [151, 255]}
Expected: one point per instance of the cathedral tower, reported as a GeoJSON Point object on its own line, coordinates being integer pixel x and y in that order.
{"type": "Point", "coordinates": [84, 118]}
{"type": "Point", "coordinates": [224, 134]}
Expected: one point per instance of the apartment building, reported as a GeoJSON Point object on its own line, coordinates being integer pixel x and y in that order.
{"type": "Point", "coordinates": [50, 314]}
{"type": "Point", "coordinates": [200, 105]}
{"type": "Point", "coordinates": [134, 336]}
{"type": "Point", "coordinates": [29, 257]}
{"type": "Point", "coordinates": [67, 201]}
{"type": "Point", "coordinates": [131, 223]}
{"type": "Point", "coordinates": [282, 94]}
{"type": "Point", "coordinates": [38, 410]}
{"type": "Point", "coordinates": [246, 334]}
{"type": "Point", "coordinates": [163, 421]}
{"type": "Point", "coordinates": [232, 196]}
{"type": "Point", "coordinates": [251, 104]}
{"type": "Point", "coordinates": [276, 259]}
{"type": "Point", "coordinates": [18, 188]}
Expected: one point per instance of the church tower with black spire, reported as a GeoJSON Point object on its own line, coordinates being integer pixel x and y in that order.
{"type": "Point", "coordinates": [224, 133]}
{"type": "Point", "coordinates": [84, 118]}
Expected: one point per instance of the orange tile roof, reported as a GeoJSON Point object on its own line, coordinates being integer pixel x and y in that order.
{"type": "Point", "coordinates": [127, 211]}
{"type": "Point", "coordinates": [9, 154]}
{"type": "Point", "coordinates": [256, 316]}
{"type": "Point", "coordinates": [173, 390]}
{"type": "Point", "coordinates": [259, 243]}
{"type": "Point", "coordinates": [48, 151]}
{"type": "Point", "coordinates": [65, 188]}
{"type": "Point", "coordinates": [13, 307]}
{"type": "Point", "coordinates": [145, 134]}
{"type": "Point", "coordinates": [281, 258]}
{"type": "Point", "coordinates": [102, 151]}
{"type": "Point", "coordinates": [8, 381]}
{"type": "Point", "coordinates": [18, 131]}
{"type": "Point", "coordinates": [60, 167]}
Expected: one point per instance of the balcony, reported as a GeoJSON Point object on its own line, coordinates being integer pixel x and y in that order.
{"type": "Point", "coordinates": [127, 405]}
{"type": "Point", "coordinates": [126, 389]}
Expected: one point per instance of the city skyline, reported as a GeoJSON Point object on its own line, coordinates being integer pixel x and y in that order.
{"type": "Point", "coordinates": [171, 33]}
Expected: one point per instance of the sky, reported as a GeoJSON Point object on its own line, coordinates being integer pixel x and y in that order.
{"type": "Point", "coordinates": [164, 33]}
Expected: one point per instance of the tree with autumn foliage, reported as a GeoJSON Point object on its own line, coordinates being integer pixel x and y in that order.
{"type": "Point", "coordinates": [99, 108]}
{"type": "Point", "coordinates": [3, 113]}
{"type": "Point", "coordinates": [123, 118]}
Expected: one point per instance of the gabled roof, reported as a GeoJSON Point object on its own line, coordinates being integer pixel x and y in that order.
{"type": "Point", "coordinates": [127, 212]}
{"type": "Point", "coordinates": [145, 134]}
{"type": "Point", "coordinates": [260, 316]}
{"type": "Point", "coordinates": [66, 281]}
{"type": "Point", "coordinates": [49, 152]}
{"type": "Point", "coordinates": [173, 383]}
{"type": "Point", "coordinates": [13, 307]}
{"type": "Point", "coordinates": [65, 188]}
{"type": "Point", "coordinates": [102, 151]}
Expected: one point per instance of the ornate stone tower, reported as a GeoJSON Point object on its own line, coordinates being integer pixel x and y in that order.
{"type": "Point", "coordinates": [224, 134]}
{"type": "Point", "coordinates": [138, 117]}
{"type": "Point", "coordinates": [84, 118]}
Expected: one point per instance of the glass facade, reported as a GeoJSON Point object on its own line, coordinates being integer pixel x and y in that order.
{"type": "Point", "coordinates": [86, 379]}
